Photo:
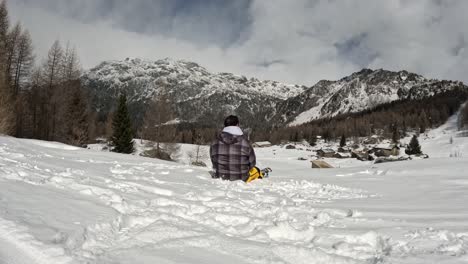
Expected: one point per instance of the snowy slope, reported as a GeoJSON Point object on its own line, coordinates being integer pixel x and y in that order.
{"type": "Point", "coordinates": [445, 141]}
{"type": "Point", "coordinates": [61, 204]}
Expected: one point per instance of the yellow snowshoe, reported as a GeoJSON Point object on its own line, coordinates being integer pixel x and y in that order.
{"type": "Point", "coordinates": [255, 173]}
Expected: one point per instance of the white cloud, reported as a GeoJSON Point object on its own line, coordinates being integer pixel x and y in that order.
{"type": "Point", "coordinates": [293, 41]}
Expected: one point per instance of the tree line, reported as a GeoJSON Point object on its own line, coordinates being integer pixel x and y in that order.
{"type": "Point", "coordinates": [392, 120]}
{"type": "Point", "coordinates": [40, 100]}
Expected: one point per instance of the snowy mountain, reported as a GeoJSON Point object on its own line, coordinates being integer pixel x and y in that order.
{"type": "Point", "coordinates": [197, 94]}
{"type": "Point", "coordinates": [205, 97]}
{"type": "Point", "coordinates": [360, 91]}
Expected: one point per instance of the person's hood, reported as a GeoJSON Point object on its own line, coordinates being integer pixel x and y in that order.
{"type": "Point", "coordinates": [233, 130]}
{"type": "Point", "coordinates": [230, 135]}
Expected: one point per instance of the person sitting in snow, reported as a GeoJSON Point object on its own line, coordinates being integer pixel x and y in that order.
{"type": "Point", "coordinates": [231, 153]}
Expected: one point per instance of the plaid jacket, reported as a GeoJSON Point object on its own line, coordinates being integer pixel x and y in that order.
{"type": "Point", "coordinates": [232, 157]}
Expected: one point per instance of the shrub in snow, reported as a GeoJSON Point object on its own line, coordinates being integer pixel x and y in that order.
{"type": "Point", "coordinates": [455, 153]}
{"type": "Point", "coordinates": [199, 163]}
{"type": "Point", "coordinates": [313, 141]}
{"type": "Point", "coordinates": [162, 151]}
{"type": "Point", "coordinates": [156, 154]}
{"type": "Point", "coordinates": [197, 155]}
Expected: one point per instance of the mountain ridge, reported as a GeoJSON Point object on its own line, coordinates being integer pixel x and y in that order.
{"type": "Point", "coordinates": [359, 91]}
{"type": "Point", "coordinates": [204, 97]}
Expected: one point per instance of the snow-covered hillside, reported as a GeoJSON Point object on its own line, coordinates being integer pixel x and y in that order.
{"type": "Point", "coordinates": [61, 204]}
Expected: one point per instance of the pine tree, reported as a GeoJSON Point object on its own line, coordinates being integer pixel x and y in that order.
{"type": "Point", "coordinates": [326, 135]}
{"type": "Point", "coordinates": [423, 120]}
{"type": "Point", "coordinates": [183, 139]}
{"type": "Point", "coordinates": [313, 140]}
{"type": "Point", "coordinates": [343, 141]}
{"type": "Point", "coordinates": [422, 129]}
{"type": "Point", "coordinates": [414, 148]}
{"type": "Point", "coordinates": [395, 135]}
{"type": "Point", "coordinates": [122, 138]}
{"type": "Point", "coordinates": [295, 137]}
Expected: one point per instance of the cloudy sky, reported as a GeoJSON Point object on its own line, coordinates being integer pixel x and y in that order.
{"type": "Point", "coordinates": [296, 41]}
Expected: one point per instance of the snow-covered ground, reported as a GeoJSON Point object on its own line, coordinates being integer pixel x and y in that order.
{"type": "Point", "coordinates": [61, 204]}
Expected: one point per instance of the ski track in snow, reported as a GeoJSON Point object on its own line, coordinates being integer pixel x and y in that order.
{"type": "Point", "coordinates": [171, 213]}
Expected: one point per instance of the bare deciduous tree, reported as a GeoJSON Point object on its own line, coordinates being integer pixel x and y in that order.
{"type": "Point", "coordinates": [51, 74]}
{"type": "Point", "coordinates": [6, 99]}
{"type": "Point", "coordinates": [23, 61]}
{"type": "Point", "coordinates": [69, 92]}
{"type": "Point", "coordinates": [198, 153]}
{"type": "Point", "coordinates": [22, 64]}
{"type": "Point", "coordinates": [11, 50]}
{"type": "Point", "coordinates": [70, 67]}
{"type": "Point", "coordinates": [108, 125]}
{"type": "Point", "coordinates": [157, 129]}
{"type": "Point", "coordinates": [77, 116]}
{"type": "Point", "coordinates": [7, 117]}
{"type": "Point", "coordinates": [4, 24]}
{"type": "Point", "coordinates": [155, 125]}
